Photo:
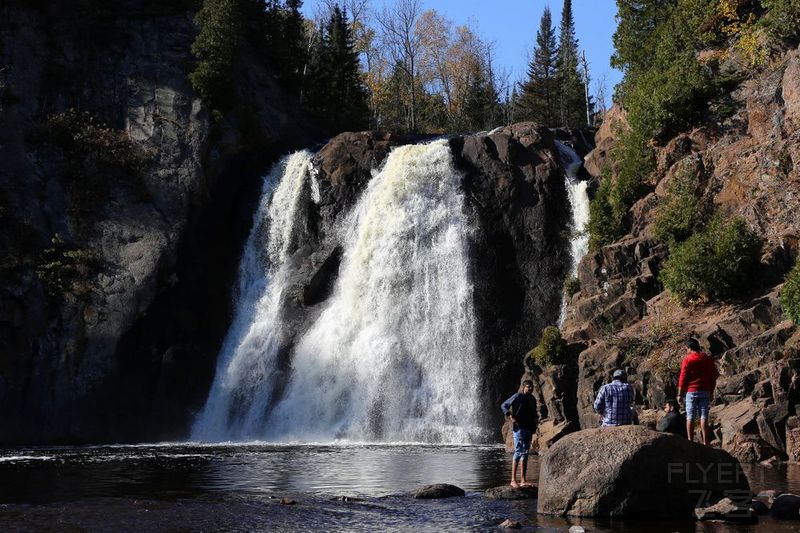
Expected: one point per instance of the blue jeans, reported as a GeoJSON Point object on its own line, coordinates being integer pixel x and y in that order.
{"type": "Point", "coordinates": [698, 403]}
{"type": "Point", "coordinates": [522, 443]}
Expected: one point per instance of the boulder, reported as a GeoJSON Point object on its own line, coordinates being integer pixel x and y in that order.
{"type": "Point", "coordinates": [634, 471]}
{"type": "Point", "coordinates": [507, 492]}
{"type": "Point", "coordinates": [510, 524]}
{"type": "Point", "coordinates": [793, 439]}
{"type": "Point", "coordinates": [786, 507]}
{"type": "Point", "coordinates": [727, 510]}
{"type": "Point", "coordinates": [615, 121]}
{"type": "Point", "coordinates": [437, 491]}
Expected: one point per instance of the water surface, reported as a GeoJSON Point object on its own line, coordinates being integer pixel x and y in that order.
{"type": "Point", "coordinates": [238, 487]}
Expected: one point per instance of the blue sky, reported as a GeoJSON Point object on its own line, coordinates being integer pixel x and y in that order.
{"type": "Point", "coordinates": [512, 26]}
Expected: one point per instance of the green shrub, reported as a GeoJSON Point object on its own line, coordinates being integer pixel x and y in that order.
{"type": "Point", "coordinates": [95, 155]}
{"type": "Point", "coordinates": [679, 214]}
{"type": "Point", "coordinates": [715, 263]}
{"type": "Point", "coordinates": [635, 161]}
{"type": "Point", "coordinates": [604, 226]}
{"type": "Point", "coordinates": [790, 295]}
{"type": "Point", "coordinates": [551, 350]}
{"type": "Point", "coordinates": [571, 286]}
{"type": "Point", "coordinates": [782, 19]}
{"type": "Point", "coordinates": [66, 269]}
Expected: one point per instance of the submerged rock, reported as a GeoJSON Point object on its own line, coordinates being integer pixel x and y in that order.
{"type": "Point", "coordinates": [510, 524]}
{"type": "Point", "coordinates": [727, 510]}
{"type": "Point", "coordinates": [633, 471]}
{"type": "Point", "coordinates": [438, 490]}
{"type": "Point", "coordinates": [507, 492]}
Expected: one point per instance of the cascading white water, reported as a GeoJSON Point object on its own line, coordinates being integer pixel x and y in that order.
{"type": "Point", "coordinates": [579, 204]}
{"type": "Point", "coordinates": [393, 356]}
{"type": "Point", "coordinates": [244, 380]}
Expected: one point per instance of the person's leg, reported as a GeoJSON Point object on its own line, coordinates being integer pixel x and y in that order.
{"type": "Point", "coordinates": [690, 415]}
{"type": "Point", "coordinates": [705, 431]}
{"type": "Point", "coordinates": [524, 464]}
{"type": "Point", "coordinates": [526, 437]}
{"type": "Point", "coordinates": [705, 427]}
{"type": "Point", "coordinates": [514, 473]}
{"type": "Point", "coordinates": [517, 456]}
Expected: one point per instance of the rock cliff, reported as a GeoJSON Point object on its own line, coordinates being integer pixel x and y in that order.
{"type": "Point", "coordinates": [622, 317]}
{"type": "Point", "coordinates": [123, 207]}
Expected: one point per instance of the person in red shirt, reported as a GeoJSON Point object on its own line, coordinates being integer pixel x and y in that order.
{"type": "Point", "coordinates": [697, 379]}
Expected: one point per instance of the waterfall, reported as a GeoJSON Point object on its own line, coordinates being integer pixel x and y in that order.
{"type": "Point", "coordinates": [579, 206]}
{"type": "Point", "coordinates": [243, 383]}
{"type": "Point", "coordinates": [392, 355]}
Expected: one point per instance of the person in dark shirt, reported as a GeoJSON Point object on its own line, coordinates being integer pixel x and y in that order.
{"type": "Point", "coordinates": [521, 409]}
{"type": "Point", "coordinates": [673, 421]}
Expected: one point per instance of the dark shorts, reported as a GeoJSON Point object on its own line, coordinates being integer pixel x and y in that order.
{"type": "Point", "coordinates": [522, 443]}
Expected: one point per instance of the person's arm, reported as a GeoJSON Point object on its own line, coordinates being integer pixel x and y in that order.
{"type": "Point", "coordinates": [663, 423]}
{"type": "Point", "coordinates": [508, 406]}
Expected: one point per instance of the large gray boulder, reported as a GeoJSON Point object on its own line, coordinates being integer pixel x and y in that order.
{"type": "Point", "coordinates": [634, 471]}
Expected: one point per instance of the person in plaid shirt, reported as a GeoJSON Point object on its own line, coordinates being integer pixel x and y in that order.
{"type": "Point", "coordinates": [615, 401]}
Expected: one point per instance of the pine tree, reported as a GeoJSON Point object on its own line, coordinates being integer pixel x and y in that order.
{"type": "Point", "coordinates": [538, 97]}
{"type": "Point", "coordinates": [295, 49]}
{"type": "Point", "coordinates": [572, 102]}
{"type": "Point", "coordinates": [215, 48]}
{"type": "Point", "coordinates": [481, 105]}
{"type": "Point", "coordinates": [335, 91]}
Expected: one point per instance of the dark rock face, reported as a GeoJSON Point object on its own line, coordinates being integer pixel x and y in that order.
{"type": "Point", "coordinates": [517, 200]}
{"type": "Point", "coordinates": [437, 491]}
{"type": "Point", "coordinates": [127, 349]}
{"type": "Point", "coordinates": [599, 472]}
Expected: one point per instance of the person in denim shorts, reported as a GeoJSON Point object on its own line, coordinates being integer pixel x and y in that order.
{"type": "Point", "coordinates": [697, 379]}
{"type": "Point", "coordinates": [521, 409]}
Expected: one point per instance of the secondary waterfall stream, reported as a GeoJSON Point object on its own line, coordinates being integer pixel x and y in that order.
{"type": "Point", "coordinates": [392, 356]}
{"type": "Point", "coordinates": [244, 383]}
{"type": "Point", "coordinates": [579, 205]}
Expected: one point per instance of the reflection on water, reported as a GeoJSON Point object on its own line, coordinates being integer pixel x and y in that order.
{"type": "Point", "coordinates": [238, 487]}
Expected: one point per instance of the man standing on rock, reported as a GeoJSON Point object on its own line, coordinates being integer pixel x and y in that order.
{"type": "Point", "coordinates": [521, 409]}
{"type": "Point", "coordinates": [615, 401]}
{"type": "Point", "coordinates": [698, 378]}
